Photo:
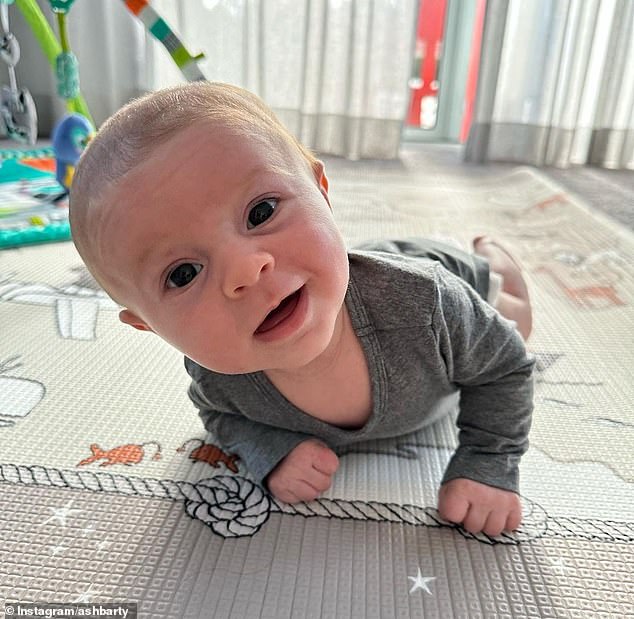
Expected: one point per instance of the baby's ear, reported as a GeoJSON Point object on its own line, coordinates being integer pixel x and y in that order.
{"type": "Point", "coordinates": [129, 318]}
{"type": "Point", "coordinates": [319, 170]}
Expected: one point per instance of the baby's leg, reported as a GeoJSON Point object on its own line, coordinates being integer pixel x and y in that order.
{"type": "Point", "coordinates": [513, 302]}
{"type": "Point", "coordinates": [469, 267]}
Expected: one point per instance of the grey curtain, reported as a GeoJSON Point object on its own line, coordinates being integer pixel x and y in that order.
{"type": "Point", "coordinates": [556, 84]}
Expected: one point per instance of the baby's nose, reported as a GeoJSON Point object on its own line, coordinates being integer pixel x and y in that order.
{"type": "Point", "coordinates": [244, 270]}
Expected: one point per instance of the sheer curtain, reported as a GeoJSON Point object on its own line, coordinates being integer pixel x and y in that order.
{"type": "Point", "coordinates": [556, 84]}
{"type": "Point", "coordinates": [335, 71]}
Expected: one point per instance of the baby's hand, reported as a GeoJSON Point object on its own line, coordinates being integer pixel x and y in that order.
{"type": "Point", "coordinates": [479, 507]}
{"type": "Point", "coordinates": [304, 473]}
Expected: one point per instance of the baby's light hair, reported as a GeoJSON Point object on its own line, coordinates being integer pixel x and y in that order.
{"type": "Point", "coordinates": [133, 132]}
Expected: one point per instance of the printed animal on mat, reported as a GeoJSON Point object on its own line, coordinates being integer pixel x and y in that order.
{"type": "Point", "coordinates": [124, 454]}
{"type": "Point", "coordinates": [592, 295]}
{"type": "Point", "coordinates": [209, 453]}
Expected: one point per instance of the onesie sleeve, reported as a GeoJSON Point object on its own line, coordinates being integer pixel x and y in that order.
{"type": "Point", "coordinates": [486, 359]}
{"type": "Point", "coordinates": [260, 446]}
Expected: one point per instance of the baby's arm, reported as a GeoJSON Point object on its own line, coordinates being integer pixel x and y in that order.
{"type": "Point", "coordinates": [261, 447]}
{"type": "Point", "coordinates": [486, 358]}
{"type": "Point", "coordinates": [293, 466]}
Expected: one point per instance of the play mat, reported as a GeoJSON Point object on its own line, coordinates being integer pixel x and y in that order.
{"type": "Point", "coordinates": [33, 205]}
{"type": "Point", "coordinates": [112, 492]}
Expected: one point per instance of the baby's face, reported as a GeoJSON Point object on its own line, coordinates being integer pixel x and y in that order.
{"type": "Point", "coordinates": [227, 249]}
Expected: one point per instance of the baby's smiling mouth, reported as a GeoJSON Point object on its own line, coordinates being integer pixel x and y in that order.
{"type": "Point", "coordinates": [280, 313]}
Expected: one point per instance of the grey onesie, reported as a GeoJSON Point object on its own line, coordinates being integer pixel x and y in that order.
{"type": "Point", "coordinates": [429, 339]}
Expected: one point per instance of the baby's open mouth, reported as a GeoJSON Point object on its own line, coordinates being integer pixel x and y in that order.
{"type": "Point", "coordinates": [280, 313]}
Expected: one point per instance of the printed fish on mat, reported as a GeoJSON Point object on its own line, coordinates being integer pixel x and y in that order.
{"type": "Point", "coordinates": [124, 454]}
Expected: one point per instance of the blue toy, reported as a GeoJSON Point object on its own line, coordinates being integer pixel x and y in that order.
{"type": "Point", "coordinates": [70, 137]}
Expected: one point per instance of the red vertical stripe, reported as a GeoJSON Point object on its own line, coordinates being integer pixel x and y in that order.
{"type": "Point", "coordinates": [474, 67]}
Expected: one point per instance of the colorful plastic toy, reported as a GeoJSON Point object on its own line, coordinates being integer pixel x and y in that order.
{"type": "Point", "coordinates": [33, 204]}
{"type": "Point", "coordinates": [51, 48]}
{"type": "Point", "coordinates": [70, 137]}
{"type": "Point", "coordinates": [17, 108]}
{"type": "Point", "coordinates": [160, 30]}
{"type": "Point", "coordinates": [66, 64]}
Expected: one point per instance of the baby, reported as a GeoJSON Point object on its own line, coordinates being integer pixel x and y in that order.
{"type": "Point", "coordinates": [198, 212]}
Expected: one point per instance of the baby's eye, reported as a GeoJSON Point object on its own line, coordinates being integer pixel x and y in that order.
{"type": "Point", "coordinates": [183, 274]}
{"type": "Point", "coordinates": [261, 211]}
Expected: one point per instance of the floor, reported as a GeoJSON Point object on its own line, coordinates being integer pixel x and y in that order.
{"type": "Point", "coordinates": [111, 491]}
{"type": "Point", "coordinates": [609, 191]}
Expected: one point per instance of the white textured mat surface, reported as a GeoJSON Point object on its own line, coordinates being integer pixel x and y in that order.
{"type": "Point", "coordinates": [111, 491]}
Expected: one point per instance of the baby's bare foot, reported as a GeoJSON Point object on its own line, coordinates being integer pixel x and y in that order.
{"type": "Point", "coordinates": [513, 302]}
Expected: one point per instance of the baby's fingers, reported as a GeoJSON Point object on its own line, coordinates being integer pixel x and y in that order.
{"type": "Point", "coordinates": [514, 518]}
{"type": "Point", "coordinates": [298, 491]}
{"type": "Point", "coordinates": [455, 508]}
{"type": "Point", "coordinates": [499, 521]}
{"type": "Point", "coordinates": [475, 519]}
{"type": "Point", "coordinates": [451, 506]}
{"type": "Point", "coordinates": [318, 480]}
{"type": "Point", "coordinates": [294, 486]}
{"type": "Point", "coordinates": [496, 522]}
{"type": "Point", "coordinates": [324, 460]}
{"type": "Point", "coordinates": [308, 488]}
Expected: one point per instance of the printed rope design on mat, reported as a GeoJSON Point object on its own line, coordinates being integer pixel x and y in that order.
{"type": "Point", "coordinates": [233, 506]}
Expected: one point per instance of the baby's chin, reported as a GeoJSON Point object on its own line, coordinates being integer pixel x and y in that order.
{"type": "Point", "coordinates": [295, 359]}
{"type": "Point", "coordinates": [230, 369]}
{"type": "Point", "coordinates": [276, 365]}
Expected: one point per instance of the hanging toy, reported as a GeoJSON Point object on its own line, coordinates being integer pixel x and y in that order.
{"type": "Point", "coordinates": [50, 46]}
{"type": "Point", "coordinates": [67, 65]}
{"type": "Point", "coordinates": [70, 137]}
{"type": "Point", "coordinates": [161, 31]}
{"type": "Point", "coordinates": [17, 108]}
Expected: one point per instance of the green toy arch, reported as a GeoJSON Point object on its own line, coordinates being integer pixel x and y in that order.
{"type": "Point", "coordinates": [51, 48]}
